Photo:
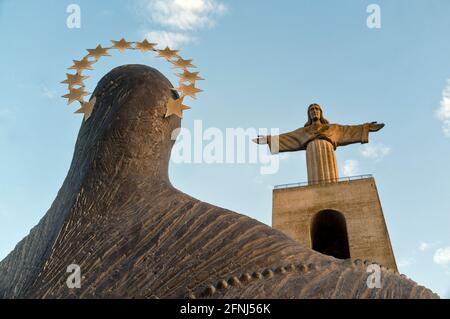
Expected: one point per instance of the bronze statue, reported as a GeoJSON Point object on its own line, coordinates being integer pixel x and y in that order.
{"type": "Point", "coordinates": [320, 139]}
{"type": "Point", "coordinates": [134, 235]}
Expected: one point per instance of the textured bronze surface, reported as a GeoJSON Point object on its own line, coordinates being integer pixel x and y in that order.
{"type": "Point", "coordinates": [135, 236]}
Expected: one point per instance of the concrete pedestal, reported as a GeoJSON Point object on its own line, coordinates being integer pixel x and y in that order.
{"type": "Point", "coordinates": [343, 219]}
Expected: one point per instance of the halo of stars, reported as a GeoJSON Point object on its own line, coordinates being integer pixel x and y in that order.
{"type": "Point", "coordinates": [186, 83]}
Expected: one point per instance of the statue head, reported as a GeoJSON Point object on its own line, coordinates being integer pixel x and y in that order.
{"type": "Point", "coordinates": [129, 114]}
{"type": "Point", "coordinates": [315, 114]}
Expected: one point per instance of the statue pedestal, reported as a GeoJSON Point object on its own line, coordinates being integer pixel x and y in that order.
{"type": "Point", "coordinates": [342, 219]}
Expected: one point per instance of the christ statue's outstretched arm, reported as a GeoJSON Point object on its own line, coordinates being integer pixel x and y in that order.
{"type": "Point", "coordinates": [350, 134]}
{"type": "Point", "coordinates": [320, 139]}
{"type": "Point", "coordinates": [286, 142]}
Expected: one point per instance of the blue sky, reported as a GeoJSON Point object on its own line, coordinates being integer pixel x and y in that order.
{"type": "Point", "coordinates": [264, 63]}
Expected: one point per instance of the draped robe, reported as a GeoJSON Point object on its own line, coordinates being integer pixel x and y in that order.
{"type": "Point", "coordinates": [320, 142]}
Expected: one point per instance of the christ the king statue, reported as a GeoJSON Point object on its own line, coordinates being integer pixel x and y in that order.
{"type": "Point", "coordinates": [320, 139]}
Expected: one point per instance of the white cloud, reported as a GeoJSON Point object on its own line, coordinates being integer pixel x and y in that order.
{"type": "Point", "coordinates": [443, 113]}
{"type": "Point", "coordinates": [350, 168]}
{"type": "Point", "coordinates": [175, 20]}
{"type": "Point", "coordinates": [169, 39]}
{"type": "Point", "coordinates": [406, 262]}
{"type": "Point", "coordinates": [424, 246]}
{"type": "Point", "coordinates": [375, 151]}
{"type": "Point", "coordinates": [185, 14]}
{"type": "Point", "coordinates": [442, 256]}
{"type": "Point", "coordinates": [48, 93]}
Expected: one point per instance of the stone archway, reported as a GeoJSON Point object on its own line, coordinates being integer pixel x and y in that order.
{"type": "Point", "coordinates": [329, 234]}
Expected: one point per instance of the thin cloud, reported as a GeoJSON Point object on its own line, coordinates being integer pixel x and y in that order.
{"type": "Point", "coordinates": [168, 39]}
{"type": "Point", "coordinates": [443, 113]}
{"type": "Point", "coordinates": [185, 14]}
{"type": "Point", "coordinates": [424, 246]}
{"type": "Point", "coordinates": [176, 20]}
{"type": "Point", "coordinates": [442, 256]}
{"type": "Point", "coordinates": [405, 263]}
{"type": "Point", "coordinates": [375, 151]}
{"type": "Point", "coordinates": [50, 94]}
{"type": "Point", "coordinates": [350, 168]}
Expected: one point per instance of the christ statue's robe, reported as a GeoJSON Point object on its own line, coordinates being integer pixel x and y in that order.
{"type": "Point", "coordinates": [320, 142]}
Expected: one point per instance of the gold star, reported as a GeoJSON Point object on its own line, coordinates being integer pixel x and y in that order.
{"type": "Point", "coordinates": [74, 79]}
{"type": "Point", "coordinates": [98, 52]}
{"type": "Point", "coordinates": [176, 107]}
{"type": "Point", "coordinates": [84, 64]}
{"type": "Point", "coordinates": [86, 108]}
{"type": "Point", "coordinates": [183, 64]}
{"type": "Point", "coordinates": [75, 95]}
{"type": "Point", "coordinates": [145, 46]}
{"type": "Point", "coordinates": [189, 90]}
{"type": "Point", "coordinates": [189, 76]}
{"type": "Point", "coordinates": [167, 53]}
{"type": "Point", "coordinates": [121, 45]}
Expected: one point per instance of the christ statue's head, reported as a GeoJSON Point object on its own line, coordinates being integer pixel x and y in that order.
{"type": "Point", "coordinates": [315, 115]}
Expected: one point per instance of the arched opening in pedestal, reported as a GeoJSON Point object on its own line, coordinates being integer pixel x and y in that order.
{"type": "Point", "coordinates": [329, 234]}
